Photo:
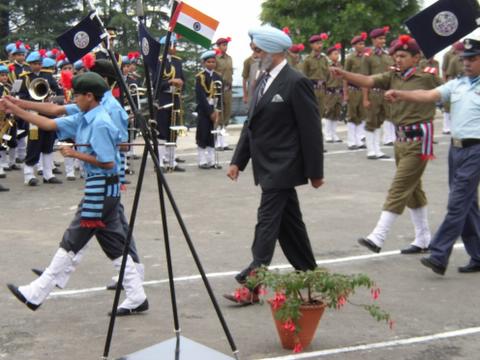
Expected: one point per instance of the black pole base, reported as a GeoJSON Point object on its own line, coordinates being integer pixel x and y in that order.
{"type": "Point", "coordinates": [177, 349]}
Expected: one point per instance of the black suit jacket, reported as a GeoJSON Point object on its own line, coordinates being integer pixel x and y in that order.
{"type": "Point", "coordinates": [283, 134]}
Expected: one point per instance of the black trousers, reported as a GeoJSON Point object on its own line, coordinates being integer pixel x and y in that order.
{"type": "Point", "coordinates": [279, 217]}
{"type": "Point", "coordinates": [44, 144]}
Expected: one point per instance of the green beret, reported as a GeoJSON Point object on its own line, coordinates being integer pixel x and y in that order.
{"type": "Point", "coordinates": [105, 68]}
{"type": "Point", "coordinates": [90, 82]}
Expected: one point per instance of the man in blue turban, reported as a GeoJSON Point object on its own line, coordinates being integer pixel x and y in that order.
{"type": "Point", "coordinates": [283, 138]}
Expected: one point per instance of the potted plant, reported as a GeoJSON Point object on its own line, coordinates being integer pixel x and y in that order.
{"type": "Point", "coordinates": [300, 298]}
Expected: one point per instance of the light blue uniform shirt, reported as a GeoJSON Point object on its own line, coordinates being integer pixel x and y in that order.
{"type": "Point", "coordinates": [117, 113]}
{"type": "Point", "coordinates": [465, 107]}
{"type": "Point", "coordinates": [95, 128]}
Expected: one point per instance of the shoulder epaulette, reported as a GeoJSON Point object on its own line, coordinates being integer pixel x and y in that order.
{"type": "Point", "coordinates": [25, 73]}
{"type": "Point", "coordinates": [46, 71]}
{"type": "Point", "coordinates": [200, 73]}
{"type": "Point", "coordinates": [430, 70]}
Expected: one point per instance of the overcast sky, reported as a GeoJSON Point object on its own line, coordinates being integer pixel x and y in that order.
{"type": "Point", "coordinates": [236, 17]}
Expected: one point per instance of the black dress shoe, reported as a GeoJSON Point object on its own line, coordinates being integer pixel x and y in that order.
{"type": "Point", "coordinates": [14, 290]}
{"type": "Point", "coordinates": [71, 178]}
{"type": "Point", "coordinates": [469, 268]}
{"type": "Point", "coordinates": [40, 172]}
{"type": "Point", "coordinates": [3, 188]}
{"type": "Point", "coordinates": [52, 180]}
{"type": "Point", "coordinates": [57, 171]}
{"type": "Point", "coordinates": [32, 182]}
{"type": "Point", "coordinates": [372, 157]}
{"type": "Point", "coordinates": [388, 144]}
{"type": "Point", "coordinates": [413, 249]}
{"type": "Point", "coordinates": [57, 163]}
{"type": "Point", "coordinates": [178, 169]}
{"type": "Point", "coordinates": [353, 147]}
{"type": "Point", "coordinates": [216, 166]}
{"type": "Point", "coordinates": [370, 245]}
{"type": "Point", "coordinates": [13, 167]}
{"type": "Point", "coordinates": [39, 273]}
{"type": "Point", "coordinates": [338, 141]}
{"type": "Point", "coordinates": [329, 141]}
{"type": "Point", "coordinates": [178, 160]}
{"type": "Point", "coordinates": [383, 157]}
{"type": "Point", "coordinates": [361, 147]}
{"type": "Point", "coordinates": [204, 167]}
{"type": "Point", "coordinates": [129, 172]}
{"type": "Point", "coordinates": [227, 148]}
{"type": "Point", "coordinates": [436, 268]}
{"type": "Point", "coordinates": [3, 176]}
{"type": "Point", "coordinates": [19, 161]}
{"type": "Point", "coordinates": [125, 312]}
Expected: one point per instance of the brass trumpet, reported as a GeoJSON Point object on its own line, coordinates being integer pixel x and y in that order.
{"type": "Point", "coordinates": [39, 89]}
{"type": "Point", "coordinates": [6, 123]}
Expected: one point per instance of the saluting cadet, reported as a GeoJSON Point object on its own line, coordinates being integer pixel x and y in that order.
{"type": "Point", "coordinates": [333, 97]}
{"type": "Point", "coordinates": [413, 148]}
{"type": "Point", "coordinates": [225, 69]}
{"type": "Point", "coordinates": [207, 83]}
{"type": "Point", "coordinates": [250, 72]}
{"type": "Point", "coordinates": [315, 68]}
{"type": "Point", "coordinates": [39, 141]}
{"type": "Point", "coordinates": [353, 95]}
{"type": "Point", "coordinates": [294, 57]}
{"type": "Point", "coordinates": [172, 81]}
{"type": "Point", "coordinates": [97, 214]}
{"type": "Point", "coordinates": [463, 212]}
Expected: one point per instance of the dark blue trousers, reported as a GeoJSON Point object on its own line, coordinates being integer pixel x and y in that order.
{"type": "Point", "coordinates": [463, 215]}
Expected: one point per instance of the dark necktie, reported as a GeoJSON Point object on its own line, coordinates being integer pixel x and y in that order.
{"type": "Point", "coordinates": [262, 86]}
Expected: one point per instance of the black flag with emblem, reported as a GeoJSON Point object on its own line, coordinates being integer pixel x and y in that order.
{"type": "Point", "coordinates": [82, 38]}
{"type": "Point", "coordinates": [149, 47]}
{"type": "Point", "coordinates": [443, 23]}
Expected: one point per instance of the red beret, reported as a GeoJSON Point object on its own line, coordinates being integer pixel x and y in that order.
{"type": "Point", "coordinates": [223, 40]}
{"type": "Point", "coordinates": [379, 32]}
{"type": "Point", "coordinates": [458, 46]}
{"type": "Point", "coordinates": [296, 48]}
{"type": "Point", "coordinates": [405, 43]}
{"type": "Point", "coordinates": [333, 48]}
{"type": "Point", "coordinates": [359, 38]}
{"type": "Point", "coordinates": [318, 37]}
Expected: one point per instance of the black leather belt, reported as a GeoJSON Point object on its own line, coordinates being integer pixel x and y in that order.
{"type": "Point", "coordinates": [464, 143]}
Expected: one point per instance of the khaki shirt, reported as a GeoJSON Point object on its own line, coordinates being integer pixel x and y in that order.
{"type": "Point", "coordinates": [455, 67]}
{"type": "Point", "coordinates": [247, 64]}
{"type": "Point", "coordinates": [294, 62]}
{"type": "Point", "coordinates": [332, 81]}
{"type": "Point", "coordinates": [375, 64]}
{"type": "Point", "coordinates": [353, 63]}
{"type": "Point", "coordinates": [424, 63]}
{"type": "Point", "coordinates": [316, 67]}
{"type": "Point", "coordinates": [406, 112]}
{"type": "Point", "coordinates": [446, 61]}
{"type": "Point", "coordinates": [225, 69]}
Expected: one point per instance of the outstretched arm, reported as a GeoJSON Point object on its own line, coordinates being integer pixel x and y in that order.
{"type": "Point", "coordinates": [423, 96]}
{"type": "Point", "coordinates": [353, 78]}
{"type": "Point", "coordinates": [49, 109]}
{"type": "Point", "coordinates": [42, 122]}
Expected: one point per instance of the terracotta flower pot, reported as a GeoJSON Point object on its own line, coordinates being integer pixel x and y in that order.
{"type": "Point", "coordinates": [308, 324]}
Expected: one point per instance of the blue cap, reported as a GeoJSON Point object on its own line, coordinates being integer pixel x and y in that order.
{"type": "Point", "coordinates": [3, 69]}
{"type": "Point", "coordinates": [48, 63]}
{"type": "Point", "coordinates": [9, 48]}
{"type": "Point", "coordinates": [270, 39]}
{"type": "Point", "coordinates": [34, 56]}
{"type": "Point", "coordinates": [21, 49]}
{"type": "Point", "coordinates": [208, 55]}
{"type": "Point", "coordinates": [77, 65]}
{"type": "Point", "coordinates": [173, 39]}
{"type": "Point", "coordinates": [126, 60]}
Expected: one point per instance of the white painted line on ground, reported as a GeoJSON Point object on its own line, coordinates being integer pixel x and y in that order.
{"type": "Point", "coordinates": [66, 293]}
{"type": "Point", "coordinates": [380, 345]}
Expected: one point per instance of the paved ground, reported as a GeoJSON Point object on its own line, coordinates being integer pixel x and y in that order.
{"type": "Point", "coordinates": [436, 318]}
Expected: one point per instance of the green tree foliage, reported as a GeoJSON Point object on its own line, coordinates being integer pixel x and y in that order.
{"type": "Point", "coordinates": [340, 19]}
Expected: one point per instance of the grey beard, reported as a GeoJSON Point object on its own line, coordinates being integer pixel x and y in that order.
{"type": "Point", "coordinates": [266, 62]}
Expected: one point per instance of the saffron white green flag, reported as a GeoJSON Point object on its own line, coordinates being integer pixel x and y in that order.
{"type": "Point", "coordinates": [194, 25]}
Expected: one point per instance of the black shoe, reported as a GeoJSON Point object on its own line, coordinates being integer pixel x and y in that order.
{"type": "Point", "coordinates": [216, 166]}
{"type": "Point", "coordinates": [204, 167]}
{"type": "Point", "coordinates": [179, 169]}
{"type": "Point", "coordinates": [338, 141]}
{"type": "Point", "coordinates": [136, 157]}
{"type": "Point", "coordinates": [469, 268]}
{"type": "Point", "coordinates": [125, 312]}
{"type": "Point", "coordinates": [40, 172]}
{"type": "Point", "coordinates": [353, 147]}
{"type": "Point", "coordinates": [13, 167]}
{"type": "Point", "coordinates": [19, 161]}
{"type": "Point", "coordinates": [113, 285]}
{"type": "Point", "coordinates": [21, 298]}
{"type": "Point", "coordinates": [129, 172]}
{"type": "Point", "coordinates": [413, 249]}
{"type": "Point", "coordinates": [3, 188]}
{"type": "Point", "coordinates": [178, 160]}
{"type": "Point", "coordinates": [126, 182]}
{"type": "Point", "coordinates": [383, 157]}
{"type": "Point", "coordinates": [329, 141]}
{"type": "Point", "coordinates": [361, 147]}
{"type": "Point", "coordinates": [436, 268]}
{"type": "Point", "coordinates": [56, 163]}
{"type": "Point", "coordinates": [372, 157]}
{"type": "Point", "coordinates": [241, 277]}
{"type": "Point", "coordinates": [388, 144]}
{"type": "Point", "coordinates": [369, 244]}
{"type": "Point", "coordinates": [52, 180]}
{"type": "Point", "coordinates": [56, 171]}
{"type": "Point", "coordinates": [39, 273]}
{"type": "Point", "coordinates": [71, 178]}
{"type": "Point", "coordinates": [3, 176]}
{"type": "Point", "coordinates": [33, 182]}
{"type": "Point", "coordinates": [227, 148]}
{"type": "Point", "coordinates": [219, 148]}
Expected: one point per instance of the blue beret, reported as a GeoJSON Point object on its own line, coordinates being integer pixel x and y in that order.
{"type": "Point", "coordinates": [77, 65]}
{"type": "Point", "coordinates": [3, 69]}
{"type": "Point", "coordinates": [126, 60]}
{"type": "Point", "coordinates": [63, 62]}
{"type": "Point", "coordinates": [270, 39]}
{"type": "Point", "coordinates": [34, 56]}
{"type": "Point", "coordinates": [48, 63]}
{"type": "Point", "coordinates": [9, 48]}
{"type": "Point", "coordinates": [173, 39]}
{"type": "Point", "coordinates": [208, 54]}
{"type": "Point", "coordinates": [21, 49]}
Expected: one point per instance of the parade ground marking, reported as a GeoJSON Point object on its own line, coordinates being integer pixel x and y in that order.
{"type": "Point", "coordinates": [380, 345]}
{"type": "Point", "coordinates": [67, 293]}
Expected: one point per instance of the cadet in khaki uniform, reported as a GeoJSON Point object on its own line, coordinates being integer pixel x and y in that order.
{"type": "Point", "coordinates": [315, 68]}
{"type": "Point", "coordinates": [414, 145]}
{"type": "Point", "coordinates": [294, 58]}
{"type": "Point", "coordinates": [353, 95]}
{"type": "Point", "coordinates": [375, 61]}
{"type": "Point", "coordinates": [251, 69]}
{"type": "Point", "coordinates": [225, 69]}
{"type": "Point", "coordinates": [333, 97]}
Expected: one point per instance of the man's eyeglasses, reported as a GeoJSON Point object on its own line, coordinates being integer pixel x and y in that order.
{"type": "Point", "coordinates": [257, 50]}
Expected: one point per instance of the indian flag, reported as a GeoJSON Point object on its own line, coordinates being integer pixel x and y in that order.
{"type": "Point", "coordinates": [194, 25]}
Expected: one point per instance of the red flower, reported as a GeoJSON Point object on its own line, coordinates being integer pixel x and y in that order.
{"type": "Point", "coordinates": [298, 348]}
{"type": "Point", "coordinates": [55, 51]}
{"type": "Point", "coordinates": [88, 61]}
{"type": "Point", "coordinates": [375, 293]}
{"type": "Point", "coordinates": [242, 294]}
{"type": "Point", "coordinates": [404, 39]}
{"type": "Point", "coordinates": [18, 43]}
{"type": "Point", "coordinates": [11, 68]}
{"type": "Point", "coordinates": [338, 46]}
{"type": "Point", "coordinates": [278, 300]}
{"type": "Point", "coordinates": [262, 291]}
{"type": "Point", "coordinates": [289, 325]}
{"type": "Point", "coordinates": [42, 52]}
{"type": "Point", "coordinates": [386, 29]}
{"type": "Point", "coordinates": [324, 36]}
{"type": "Point", "coordinates": [341, 301]}
{"type": "Point", "coordinates": [364, 35]}
{"type": "Point", "coordinates": [27, 46]}
{"type": "Point", "coordinates": [286, 30]}
{"type": "Point", "coordinates": [301, 47]}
